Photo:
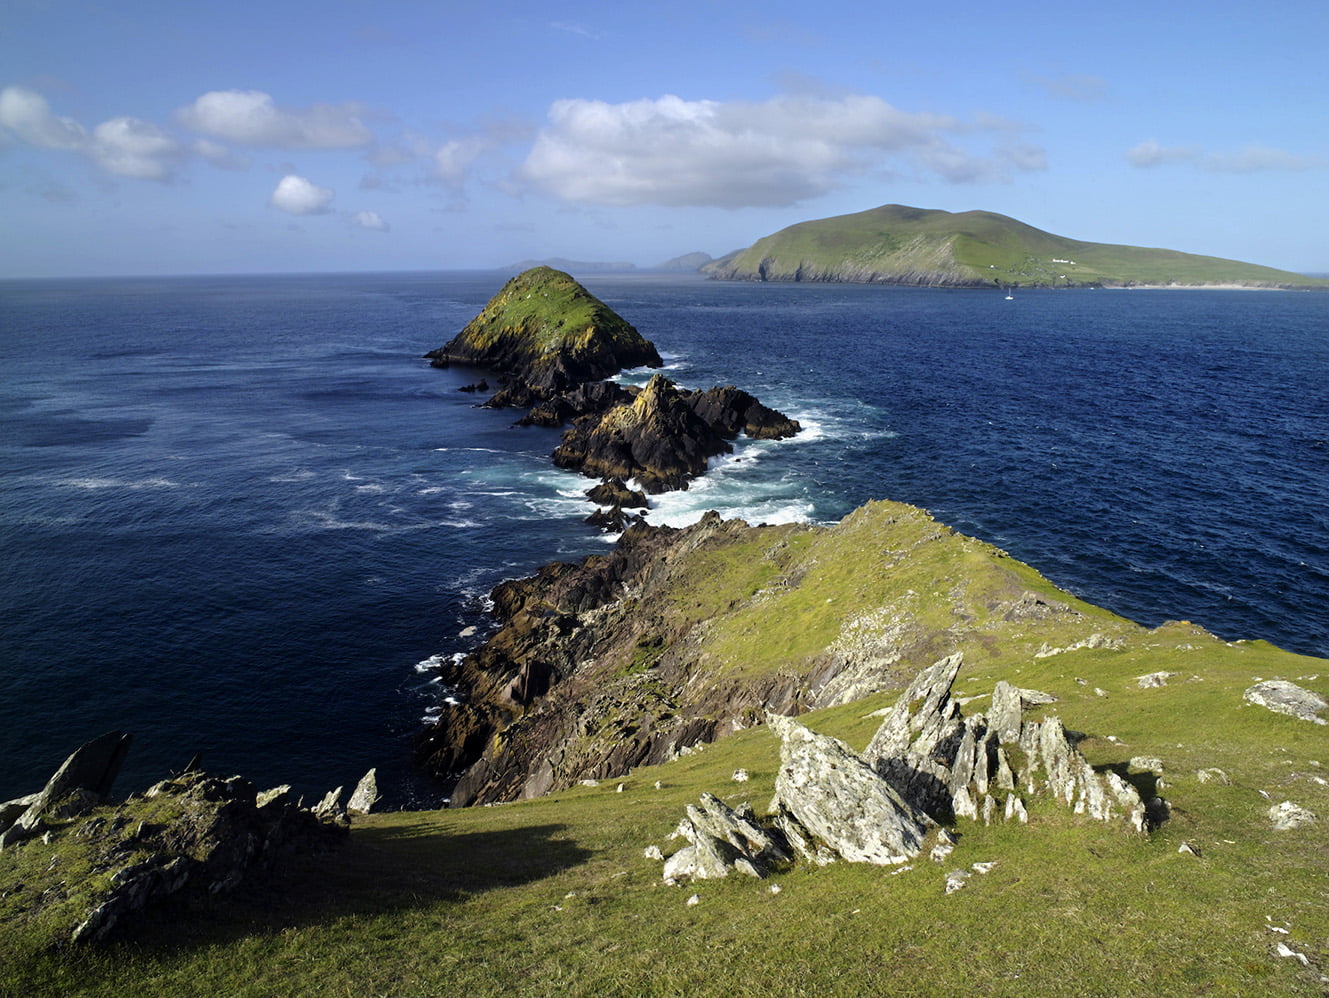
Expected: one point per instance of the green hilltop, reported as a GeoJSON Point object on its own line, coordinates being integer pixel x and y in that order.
{"type": "Point", "coordinates": [896, 244]}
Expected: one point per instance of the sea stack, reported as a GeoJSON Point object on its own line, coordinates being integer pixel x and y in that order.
{"type": "Point", "coordinates": [546, 330]}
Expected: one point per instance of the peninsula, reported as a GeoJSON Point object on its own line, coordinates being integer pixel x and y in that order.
{"type": "Point", "coordinates": [897, 244]}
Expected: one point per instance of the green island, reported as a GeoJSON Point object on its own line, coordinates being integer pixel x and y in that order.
{"type": "Point", "coordinates": [897, 244]}
{"type": "Point", "coordinates": [871, 757]}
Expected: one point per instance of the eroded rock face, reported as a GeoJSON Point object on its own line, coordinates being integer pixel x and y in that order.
{"type": "Point", "coordinates": [85, 779]}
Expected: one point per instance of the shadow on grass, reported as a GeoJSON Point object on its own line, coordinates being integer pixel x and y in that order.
{"type": "Point", "coordinates": [382, 870]}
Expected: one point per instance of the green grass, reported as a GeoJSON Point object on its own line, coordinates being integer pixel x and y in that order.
{"type": "Point", "coordinates": [915, 245]}
{"type": "Point", "coordinates": [553, 896]}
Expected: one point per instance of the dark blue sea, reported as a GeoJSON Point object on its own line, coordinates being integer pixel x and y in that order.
{"type": "Point", "coordinates": [241, 516]}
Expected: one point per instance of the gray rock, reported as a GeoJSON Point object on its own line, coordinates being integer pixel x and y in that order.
{"type": "Point", "coordinates": [365, 795]}
{"type": "Point", "coordinates": [826, 793]}
{"type": "Point", "coordinates": [1287, 816]}
{"type": "Point", "coordinates": [1287, 698]}
{"type": "Point", "coordinates": [1154, 680]}
{"type": "Point", "coordinates": [1008, 706]}
{"type": "Point", "coordinates": [721, 840]}
{"type": "Point", "coordinates": [1213, 775]}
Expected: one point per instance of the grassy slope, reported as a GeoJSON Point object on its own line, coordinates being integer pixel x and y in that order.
{"type": "Point", "coordinates": [554, 896]}
{"type": "Point", "coordinates": [981, 247]}
{"type": "Point", "coordinates": [550, 313]}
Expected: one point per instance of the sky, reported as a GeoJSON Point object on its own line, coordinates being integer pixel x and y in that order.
{"type": "Point", "coordinates": [147, 138]}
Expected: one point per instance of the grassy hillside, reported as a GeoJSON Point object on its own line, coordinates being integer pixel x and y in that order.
{"type": "Point", "coordinates": [554, 895]}
{"type": "Point", "coordinates": [898, 244]}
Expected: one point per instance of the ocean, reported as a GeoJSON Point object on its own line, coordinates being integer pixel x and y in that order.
{"type": "Point", "coordinates": [242, 517]}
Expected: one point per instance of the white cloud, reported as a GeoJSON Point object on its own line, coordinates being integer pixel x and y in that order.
{"type": "Point", "coordinates": [299, 196]}
{"type": "Point", "coordinates": [369, 220]}
{"type": "Point", "coordinates": [131, 147]}
{"type": "Point", "coordinates": [27, 114]}
{"type": "Point", "coordinates": [1152, 153]}
{"type": "Point", "coordinates": [250, 117]}
{"type": "Point", "coordinates": [453, 160]}
{"type": "Point", "coordinates": [670, 151]}
{"type": "Point", "coordinates": [1255, 158]}
{"type": "Point", "coordinates": [124, 146]}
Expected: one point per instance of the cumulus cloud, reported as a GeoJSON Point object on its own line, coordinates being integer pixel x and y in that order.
{"type": "Point", "coordinates": [369, 220]}
{"type": "Point", "coordinates": [670, 151]}
{"type": "Point", "coordinates": [299, 196]}
{"type": "Point", "coordinates": [124, 146]}
{"type": "Point", "coordinates": [251, 117]}
{"type": "Point", "coordinates": [28, 115]}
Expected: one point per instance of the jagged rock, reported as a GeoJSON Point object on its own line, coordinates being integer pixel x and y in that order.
{"type": "Point", "coordinates": [731, 411]}
{"type": "Point", "coordinates": [365, 795]}
{"type": "Point", "coordinates": [658, 440]}
{"type": "Point", "coordinates": [722, 840]}
{"type": "Point", "coordinates": [82, 781]}
{"type": "Point", "coordinates": [1287, 698]}
{"type": "Point", "coordinates": [826, 793]}
{"type": "Point", "coordinates": [547, 330]}
{"type": "Point", "coordinates": [1287, 815]}
{"type": "Point", "coordinates": [1213, 775]}
{"type": "Point", "coordinates": [330, 806]}
{"type": "Point", "coordinates": [1008, 706]}
{"type": "Point", "coordinates": [613, 492]}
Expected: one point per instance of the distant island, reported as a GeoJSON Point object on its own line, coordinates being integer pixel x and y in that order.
{"type": "Point", "coordinates": [897, 244]}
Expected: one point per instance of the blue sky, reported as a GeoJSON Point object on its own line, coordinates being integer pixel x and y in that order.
{"type": "Point", "coordinates": [153, 138]}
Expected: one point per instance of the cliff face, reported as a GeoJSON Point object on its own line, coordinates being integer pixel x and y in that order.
{"type": "Point", "coordinates": [678, 637]}
{"type": "Point", "coordinates": [547, 330]}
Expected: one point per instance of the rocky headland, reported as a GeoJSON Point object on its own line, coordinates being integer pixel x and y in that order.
{"type": "Point", "coordinates": [553, 343]}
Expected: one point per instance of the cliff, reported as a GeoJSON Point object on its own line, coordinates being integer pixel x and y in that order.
{"type": "Point", "coordinates": [549, 332]}
{"type": "Point", "coordinates": [897, 244]}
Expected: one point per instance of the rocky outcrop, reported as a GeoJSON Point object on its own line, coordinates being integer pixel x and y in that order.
{"type": "Point", "coordinates": [1284, 697]}
{"type": "Point", "coordinates": [83, 780]}
{"type": "Point", "coordinates": [721, 839]}
{"type": "Point", "coordinates": [97, 864]}
{"type": "Point", "coordinates": [547, 331]}
{"type": "Point", "coordinates": [926, 767]}
{"type": "Point", "coordinates": [659, 441]}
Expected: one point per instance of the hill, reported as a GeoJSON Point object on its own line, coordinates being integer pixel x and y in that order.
{"type": "Point", "coordinates": [895, 244]}
{"type": "Point", "coordinates": [545, 328]}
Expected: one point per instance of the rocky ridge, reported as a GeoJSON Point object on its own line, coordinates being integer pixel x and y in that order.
{"type": "Point", "coordinates": [630, 657]}
{"type": "Point", "coordinates": [927, 766]}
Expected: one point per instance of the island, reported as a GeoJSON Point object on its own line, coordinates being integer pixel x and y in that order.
{"type": "Point", "coordinates": [898, 244]}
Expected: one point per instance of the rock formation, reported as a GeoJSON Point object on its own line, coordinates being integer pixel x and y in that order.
{"type": "Point", "coordinates": [1284, 697]}
{"type": "Point", "coordinates": [549, 332]}
{"type": "Point", "coordinates": [927, 766]}
{"type": "Point", "coordinates": [96, 863]}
